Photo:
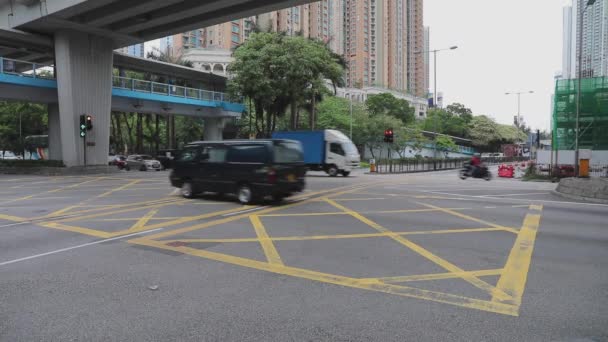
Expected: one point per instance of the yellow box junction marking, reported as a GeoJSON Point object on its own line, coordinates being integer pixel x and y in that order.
{"type": "Point", "coordinates": [513, 279]}
{"type": "Point", "coordinates": [434, 276]}
{"type": "Point", "coordinates": [269, 249]}
{"type": "Point", "coordinates": [425, 253]}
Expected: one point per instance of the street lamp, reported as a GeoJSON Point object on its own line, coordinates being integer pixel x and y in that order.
{"type": "Point", "coordinates": [435, 69]}
{"type": "Point", "coordinates": [435, 86]}
{"type": "Point", "coordinates": [580, 76]}
{"type": "Point", "coordinates": [350, 97]}
{"type": "Point", "coordinates": [518, 103]}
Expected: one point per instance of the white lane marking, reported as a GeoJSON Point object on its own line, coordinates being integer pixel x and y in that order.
{"type": "Point", "coordinates": [518, 200]}
{"type": "Point", "coordinates": [76, 247]}
{"type": "Point", "coordinates": [520, 194]}
{"type": "Point", "coordinates": [14, 224]}
{"type": "Point", "coordinates": [244, 211]}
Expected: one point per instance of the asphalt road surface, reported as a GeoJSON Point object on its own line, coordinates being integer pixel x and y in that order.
{"type": "Point", "coordinates": [418, 257]}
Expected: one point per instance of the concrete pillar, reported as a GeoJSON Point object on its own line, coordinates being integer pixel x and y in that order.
{"type": "Point", "coordinates": [214, 127]}
{"type": "Point", "coordinates": [84, 82]}
{"type": "Point", "coordinates": [54, 132]}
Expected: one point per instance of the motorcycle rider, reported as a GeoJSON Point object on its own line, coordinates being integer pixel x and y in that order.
{"type": "Point", "coordinates": [474, 165]}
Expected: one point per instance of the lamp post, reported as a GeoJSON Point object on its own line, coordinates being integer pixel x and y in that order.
{"type": "Point", "coordinates": [519, 103]}
{"type": "Point", "coordinates": [350, 98]}
{"type": "Point", "coordinates": [435, 86]}
{"type": "Point", "coordinates": [579, 77]}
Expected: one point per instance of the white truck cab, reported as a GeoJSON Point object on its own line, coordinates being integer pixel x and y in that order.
{"type": "Point", "coordinates": [341, 155]}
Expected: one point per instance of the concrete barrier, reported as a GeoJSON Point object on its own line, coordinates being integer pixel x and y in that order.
{"type": "Point", "coordinates": [587, 189]}
{"type": "Point", "coordinates": [58, 171]}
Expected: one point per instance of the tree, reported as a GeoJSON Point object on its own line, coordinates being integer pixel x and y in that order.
{"type": "Point", "coordinates": [276, 71]}
{"type": "Point", "coordinates": [461, 111]}
{"type": "Point", "coordinates": [441, 121]}
{"type": "Point", "coordinates": [445, 144]}
{"type": "Point", "coordinates": [409, 139]}
{"type": "Point", "coordinates": [387, 103]}
{"type": "Point", "coordinates": [483, 130]}
{"type": "Point", "coordinates": [34, 121]}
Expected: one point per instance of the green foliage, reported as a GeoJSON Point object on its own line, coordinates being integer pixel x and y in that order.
{"type": "Point", "coordinates": [410, 139]}
{"type": "Point", "coordinates": [441, 121]}
{"type": "Point", "coordinates": [489, 135]}
{"type": "Point", "coordinates": [277, 71]}
{"type": "Point", "coordinates": [387, 103]}
{"type": "Point", "coordinates": [445, 143]}
{"type": "Point", "coordinates": [461, 111]}
{"type": "Point", "coordinates": [34, 121]}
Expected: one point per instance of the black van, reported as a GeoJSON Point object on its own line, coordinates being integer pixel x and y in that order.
{"type": "Point", "coordinates": [251, 169]}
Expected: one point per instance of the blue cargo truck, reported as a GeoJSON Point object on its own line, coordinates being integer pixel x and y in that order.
{"type": "Point", "coordinates": [327, 150]}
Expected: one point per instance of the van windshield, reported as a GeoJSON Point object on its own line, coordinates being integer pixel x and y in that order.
{"type": "Point", "coordinates": [288, 152]}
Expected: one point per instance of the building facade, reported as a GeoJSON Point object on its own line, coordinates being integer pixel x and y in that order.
{"type": "Point", "coordinates": [382, 41]}
{"type": "Point", "coordinates": [136, 50]}
{"type": "Point", "coordinates": [594, 42]}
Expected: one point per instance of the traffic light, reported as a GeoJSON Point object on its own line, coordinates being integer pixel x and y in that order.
{"type": "Point", "coordinates": [388, 135]}
{"type": "Point", "coordinates": [89, 122]}
{"type": "Point", "coordinates": [538, 138]}
{"type": "Point", "coordinates": [83, 126]}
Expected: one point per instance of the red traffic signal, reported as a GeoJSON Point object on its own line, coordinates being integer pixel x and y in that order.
{"type": "Point", "coordinates": [388, 135]}
{"type": "Point", "coordinates": [89, 122]}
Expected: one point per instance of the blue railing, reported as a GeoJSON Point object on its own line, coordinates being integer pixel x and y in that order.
{"type": "Point", "coordinates": [32, 70]}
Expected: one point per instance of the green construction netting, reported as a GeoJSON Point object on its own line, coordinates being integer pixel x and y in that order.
{"type": "Point", "coordinates": [593, 119]}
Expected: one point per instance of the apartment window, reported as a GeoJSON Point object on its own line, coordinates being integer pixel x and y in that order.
{"type": "Point", "coordinates": [235, 38]}
{"type": "Point", "coordinates": [235, 29]}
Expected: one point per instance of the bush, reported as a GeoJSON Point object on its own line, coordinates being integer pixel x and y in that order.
{"type": "Point", "coordinates": [31, 163]}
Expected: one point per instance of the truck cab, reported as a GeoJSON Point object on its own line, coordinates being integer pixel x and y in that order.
{"type": "Point", "coordinates": [327, 150]}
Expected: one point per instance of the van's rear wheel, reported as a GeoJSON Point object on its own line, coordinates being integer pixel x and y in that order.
{"type": "Point", "coordinates": [332, 171]}
{"type": "Point", "coordinates": [244, 194]}
{"type": "Point", "coordinates": [187, 190]}
{"type": "Point", "coordinates": [345, 173]}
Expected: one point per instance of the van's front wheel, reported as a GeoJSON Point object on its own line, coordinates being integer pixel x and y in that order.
{"type": "Point", "coordinates": [187, 190]}
{"type": "Point", "coordinates": [244, 194]}
{"type": "Point", "coordinates": [345, 173]}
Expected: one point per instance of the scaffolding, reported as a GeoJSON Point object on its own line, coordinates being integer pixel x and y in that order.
{"type": "Point", "coordinates": [593, 118]}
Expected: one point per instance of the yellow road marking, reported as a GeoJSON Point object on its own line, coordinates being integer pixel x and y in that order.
{"type": "Point", "coordinates": [61, 211]}
{"type": "Point", "coordinates": [513, 279]}
{"type": "Point", "coordinates": [246, 215]}
{"type": "Point", "coordinates": [461, 215]}
{"type": "Point", "coordinates": [134, 219]}
{"type": "Point", "coordinates": [405, 291]}
{"type": "Point", "coordinates": [114, 212]}
{"type": "Point", "coordinates": [269, 249]}
{"type": "Point", "coordinates": [363, 212]}
{"type": "Point", "coordinates": [118, 189]}
{"type": "Point", "coordinates": [425, 253]}
{"type": "Point", "coordinates": [536, 207]}
{"type": "Point", "coordinates": [354, 199]}
{"type": "Point", "coordinates": [75, 185]}
{"type": "Point", "coordinates": [141, 223]}
{"type": "Point", "coordinates": [340, 236]}
{"type": "Point", "coordinates": [434, 276]}
{"type": "Point", "coordinates": [81, 230]}
{"type": "Point", "coordinates": [12, 218]}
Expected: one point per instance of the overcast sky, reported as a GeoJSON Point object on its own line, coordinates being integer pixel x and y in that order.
{"type": "Point", "coordinates": [503, 45]}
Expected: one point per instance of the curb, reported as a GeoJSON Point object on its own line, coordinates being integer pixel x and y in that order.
{"type": "Point", "coordinates": [580, 198]}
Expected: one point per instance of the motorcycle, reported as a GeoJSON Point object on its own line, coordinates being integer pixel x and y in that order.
{"type": "Point", "coordinates": [481, 172]}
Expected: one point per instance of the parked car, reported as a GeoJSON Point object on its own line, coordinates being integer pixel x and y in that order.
{"type": "Point", "coordinates": [251, 169]}
{"type": "Point", "coordinates": [8, 155]}
{"type": "Point", "coordinates": [166, 157]}
{"type": "Point", "coordinates": [143, 162]}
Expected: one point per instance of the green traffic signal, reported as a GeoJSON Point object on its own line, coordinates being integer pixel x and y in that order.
{"type": "Point", "coordinates": [82, 134]}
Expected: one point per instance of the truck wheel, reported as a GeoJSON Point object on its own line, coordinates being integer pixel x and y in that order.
{"type": "Point", "coordinates": [332, 171]}
{"type": "Point", "coordinates": [345, 173]}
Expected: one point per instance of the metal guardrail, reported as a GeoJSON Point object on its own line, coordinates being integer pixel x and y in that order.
{"type": "Point", "coordinates": [167, 89]}
{"type": "Point", "coordinates": [27, 69]}
{"type": "Point", "coordinates": [419, 165]}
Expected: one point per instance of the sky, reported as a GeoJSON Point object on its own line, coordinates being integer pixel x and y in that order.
{"type": "Point", "coordinates": [503, 46]}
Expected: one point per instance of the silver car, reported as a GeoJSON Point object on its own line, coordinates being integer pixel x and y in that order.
{"type": "Point", "coordinates": [143, 162]}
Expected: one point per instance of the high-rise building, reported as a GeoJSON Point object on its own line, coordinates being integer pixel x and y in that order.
{"type": "Point", "coordinates": [178, 43]}
{"type": "Point", "coordinates": [383, 41]}
{"type": "Point", "coordinates": [136, 50]}
{"type": "Point", "coordinates": [427, 59]}
{"type": "Point", "coordinates": [594, 44]}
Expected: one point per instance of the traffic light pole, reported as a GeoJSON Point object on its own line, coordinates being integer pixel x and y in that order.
{"type": "Point", "coordinates": [84, 139]}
